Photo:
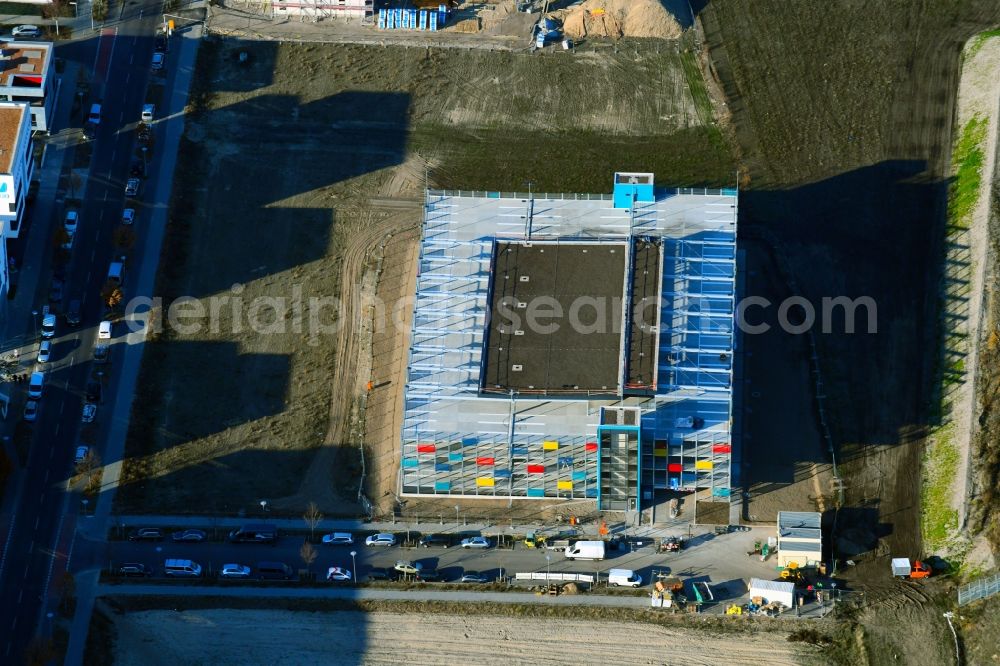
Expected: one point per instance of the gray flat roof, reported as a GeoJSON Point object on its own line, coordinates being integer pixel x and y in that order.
{"type": "Point", "coordinates": [530, 352]}
{"type": "Point", "coordinates": [800, 546]}
{"type": "Point", "coordinates": [790, 519]}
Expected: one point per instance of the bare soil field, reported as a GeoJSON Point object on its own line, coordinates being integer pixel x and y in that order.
{"type": "Point", "coordinates": [852, 185]}
{"type": "Point", "coordinates": [218, 636]}
{"type": "Point", "coordinates": [299, 203]}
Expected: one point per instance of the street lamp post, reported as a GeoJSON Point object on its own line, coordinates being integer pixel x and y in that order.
{"type": "Point", "coordinates": [34, 313]}
{"type": "Point", "coordinates": [354, 565]}
{"type": "Point", "coordinates": [456, 512]}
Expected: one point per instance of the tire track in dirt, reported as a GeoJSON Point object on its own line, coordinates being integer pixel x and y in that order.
{"type": "Point", "coordinates": [351, 372]}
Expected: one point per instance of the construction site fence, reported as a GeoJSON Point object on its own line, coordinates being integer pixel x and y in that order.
{"type": "Point", "coordinates": [482, 194]}
{"type": "Point", "coordinates": [561, 577]}
{"type": "Point", "coordinates": [986, 586]}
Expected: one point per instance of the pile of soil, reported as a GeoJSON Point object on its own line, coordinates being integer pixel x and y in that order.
{"type": "Point", "coordinates": [620, 18]}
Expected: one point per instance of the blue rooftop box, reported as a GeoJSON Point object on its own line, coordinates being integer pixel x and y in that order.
{"type": "Point", "coordinates": [631, 188]}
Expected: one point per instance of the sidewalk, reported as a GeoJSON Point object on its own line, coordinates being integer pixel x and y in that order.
{"type": "Point", "coordinates": [810, 611]}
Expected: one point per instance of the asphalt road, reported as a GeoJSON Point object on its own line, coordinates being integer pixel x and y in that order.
{"type": "Point", "coordinates": [45, 507]}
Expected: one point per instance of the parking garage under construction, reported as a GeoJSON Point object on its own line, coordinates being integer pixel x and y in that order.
{"type": "Point", "coordinates": [574, 346]}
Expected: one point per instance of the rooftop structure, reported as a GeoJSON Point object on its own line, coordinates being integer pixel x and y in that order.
{"type": "Point", "coordinates": [621, 383]}
{"type": "Point", "coordinates": [800, 538]}
{"type": "Point", "coordinates": [27, 75]}
{"type": "Point", "coordinates": [11, 119]}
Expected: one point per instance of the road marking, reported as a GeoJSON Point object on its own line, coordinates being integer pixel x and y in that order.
{"type": "Point", "coordinates": [37, 520]}
{"type": "Point", "coordinates": [87, 280]}
{"type": "Point", "coordinates": [127, 77]}
{"type": "Point", "coordinates": [6, 544]}
{"type": "Point", "coordinates": [112, 159]}
{"type": "Point", "coordinates": [26, 568]}
{"type": "Point", "coordinates": [46, 475]}
{"type": "Point", "coordinates": [131, 58]}
{"type": "Point", "coordinates": [52, 452]}
{"type": "Point", "coordinates": [105, 191]}
{"type": "Point", "coordinates": [62, 408]}
{"type": "Point", "coordinates": [20, 595]}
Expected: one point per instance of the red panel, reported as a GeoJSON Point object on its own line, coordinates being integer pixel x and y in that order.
{"type": "Point", "coordinates": [426, 448]}
{"type": "Point", "coordinates": [660, 445]}
{"type": "Point", "coordinates": [674, 467]}
{"type": "Point", "coordinates": [591, 446]}
{"type": "Point", "coordinates": [484, 461]}
{"type": "Point", "coordinates": [722, 448]}
{"type": "Point", "coordinates": [536, 469]}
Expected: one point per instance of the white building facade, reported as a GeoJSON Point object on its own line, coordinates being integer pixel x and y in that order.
{"type": "Point", "coordinates": [27, 74]}
{"type": "Point", "coordinates": [16, 170]}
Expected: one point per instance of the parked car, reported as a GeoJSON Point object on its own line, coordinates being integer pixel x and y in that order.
{"type": "Point", "coordinates": [338, 574]}
{"type": "Point", "coordinates": [428, 576]}
{"type": "Point", "coordinates": [73, 312]}
{"type": "Point", "coordinates": [181, 568]}
{"type": "Point", "coordinates": [338, 539]}
{"type": "Point", "coordinates": [89, 412]}
{"type": "Point", "coordinates": [94, 117]}
{"type": "Point", "coordinates": [128, 216]}
{"type": "Point", "coordinates": [44, 351]}
{"type": "Point", "coordinates": [25, 31]}
{"type": "Point", "coordinates": [134, 569]}
{"type": "Point", "coordinates": [472, 577]}
{"type": "Point", "coordinates": [104, 330]}
{"type": "Point", "coordinates": [442, 540]}
{"type": "Point", "coordinates": [189, 535]}
{"type": "Point", "coordinates": [158, 60]}
{"type": "Point", "coordinates": [274, 571]}
{"type": "Point", "coordinates": [138, 169]}
{"type": "Point", "coordinates": [161, 44]}
{"type": "Point", "coordinates": [381, 540]}
{"type": "Point", "coordinates": [476, 542]}
{"type": "Point", "coordinates": [79, 457]}
{"type": "Point", "coordinates": [100, 353]}
{"type": "Point", "coordinates": [132, 187]}
{"type": "Point", "coordinates": [36, 383]}
{"type": "Point", "coordinates": [141, 533]}
{"type": "Point", "coordinates": [381, 573]}
{"type": "Point", "coordinates": [31, 411]}
{"type": "Point", "coordinates": [407, 567]}
{"type": "Point", "coordinates": [71, 222]}
{"type": "Point", "coordinates": [148, 111]}
{"type": "Point", "coordinates": [56, 290]}
{"type": "Point", "coordinates": [235, 571]}
{"type": "Point", "coordinates": [93, 392]}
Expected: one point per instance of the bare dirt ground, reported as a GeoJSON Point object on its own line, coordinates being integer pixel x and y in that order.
{"type": "Point", "coordinates": [302, 190]}
{"type": "Point", "coordinates": [285, 637]}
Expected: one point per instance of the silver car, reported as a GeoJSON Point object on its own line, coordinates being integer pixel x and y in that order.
{"type": "Point", "coordinates": [234, 571]}
{"type": "Point", "coordinates": [381, 540]}
{"type": "Point", "coordinates": [476, 542]}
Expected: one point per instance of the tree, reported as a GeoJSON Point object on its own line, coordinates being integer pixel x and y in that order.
{"type": "Point", "coordinates": [313, 517]}
{"type": "Point", "coordinates": [308, 553]}
{"type": "Point", "coordinates": [111, 294]}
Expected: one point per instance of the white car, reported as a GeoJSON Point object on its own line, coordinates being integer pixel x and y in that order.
{"type": "Point", "coordinates": [104, 331]}
{"type": "Point", "coordinates": [476, 542]}
{"type": "Point", "coordinates": [338, 539]}
{"type": "Point", "coordinates": [148, 110]}
{"type": "Point", "coordinates": [338, 574]}
{"type": "Point", "coordinates": [71, 222]}
{"type": "Point", "coordinates": [128, 216]}
{"type": "Point", "coordinates": [48, 326]}
{"type": "Point", "coordinates": [31, 411]}
{"type": "Point", "coordinates": [235, 571]}
{"type": "Point", "coordinates": [94, 117]}
{"type": "Point", "coordinates": [89, 413]}
{"type": "Point", "coordinates": [26, 31]}
{"type": "Point", "coordinates": [407, 567]}
{"type": "Point", "coordinates": [158, 59]}
{"type": "Point", "coordinates": [81, 453]}
{"type": "Point", "coordinates": [44, 351]}
{"type": "Point", "coordinates": [381, 540]}
{"type": "Point", "coordinates": [132, 187]}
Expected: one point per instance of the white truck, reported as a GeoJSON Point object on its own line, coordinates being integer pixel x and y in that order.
{"type": "Point", "coordinates": [585, 550]}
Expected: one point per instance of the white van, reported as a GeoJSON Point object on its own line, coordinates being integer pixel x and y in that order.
{"type": "Point", "coordinates": [181, 568]}
{"type": "Point", "coordinates": [35, 385]}
{"type": "Point", "coordinates": [585, 550]}
{"type": "Point", "coordinates": [626, 577]}
{"type": "Point", "coordinates": [116, 272]}
{"type": "Point", "coordinates": [147, 112]}
{"type": "Point", "coordinates": [48, 326]}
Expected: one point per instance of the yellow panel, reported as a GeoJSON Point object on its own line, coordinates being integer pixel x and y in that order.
{"type": "Point", "coordinates": [486, 481]}
{"type": "Point", "coordinates": [703, 464]}
{"type": "Point", "coordinates": [565, 485]}
{"type": "Point", "coordinates": [550, 446]}
{"type": "Point", "coordinates": [660, 453]}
